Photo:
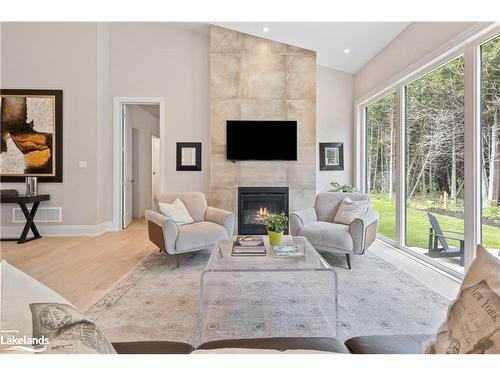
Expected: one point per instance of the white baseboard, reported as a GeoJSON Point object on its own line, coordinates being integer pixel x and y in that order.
{"type": "Point", "coordinates": [60, 230]}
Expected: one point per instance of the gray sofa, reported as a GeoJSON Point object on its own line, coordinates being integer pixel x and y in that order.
{"type": "Point", "coordinates": [210, 224]}
{"type": "Point", "coordinates": [316, 224]}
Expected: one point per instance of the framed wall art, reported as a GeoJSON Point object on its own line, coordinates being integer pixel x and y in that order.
{"type": "Point", "coordinates": [331, 156]}
{"type": "Point", "coordinates": [188, 156]}
{"type": "Point", "coordinates": [31, 137]}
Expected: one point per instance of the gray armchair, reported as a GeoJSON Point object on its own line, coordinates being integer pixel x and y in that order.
{"type": "Point", "coordinates": [316, 224]}
{"type": "Point", "coordinates": [210, 224]}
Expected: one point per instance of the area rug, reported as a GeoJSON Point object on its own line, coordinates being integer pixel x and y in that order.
{"type": "Point", "coordinates": [158, 301]}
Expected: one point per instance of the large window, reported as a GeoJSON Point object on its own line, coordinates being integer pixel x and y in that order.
{"type": "Point", "coordinates": [490, 131]}
{"type": "Point", "coordinates": [381, 162]}
{"type": "Point", "coordinates": [427, 194]}
{"type": "Point", "coordinates": [435, 163]}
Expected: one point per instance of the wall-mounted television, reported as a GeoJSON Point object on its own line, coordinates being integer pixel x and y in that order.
{"type": "Point", "coordinates": [261, 140]}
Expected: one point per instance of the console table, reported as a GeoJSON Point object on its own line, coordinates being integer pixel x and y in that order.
{"type": "Point", "coordinates": [22, 201]}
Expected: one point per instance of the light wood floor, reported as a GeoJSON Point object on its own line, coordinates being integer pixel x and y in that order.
{"type": "Point", "coordinates": [81, 269]}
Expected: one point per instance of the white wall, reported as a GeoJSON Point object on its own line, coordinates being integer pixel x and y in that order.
{"type": "Point", "coordinates": [416, 41]}
{"type": "Point", "coordinates": [147, 125]}
{"type": "Point", "coordinates": [334, 122]}
{"type": "Point", "coordinates": [157, 60]}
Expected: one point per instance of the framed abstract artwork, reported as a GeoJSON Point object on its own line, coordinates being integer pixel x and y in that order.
{"type": "Point", "coordinates": [331, 156]}
{"type": "Point", "coordinates": [31, 137]}
{"type": "Point", "coordinates": [188, 156]}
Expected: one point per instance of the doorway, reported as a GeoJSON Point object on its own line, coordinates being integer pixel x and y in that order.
{"type": "Point", "coordinates": [138, 148]}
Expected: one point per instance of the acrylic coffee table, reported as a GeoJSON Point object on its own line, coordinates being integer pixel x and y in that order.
{"type": "Point", "coordinates": [267, 296]}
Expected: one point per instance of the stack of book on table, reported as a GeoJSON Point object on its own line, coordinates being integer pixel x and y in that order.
{"type": "Point", "coordinates": [248, 246]}
{"type": "Point", "coordinates": [288, 251]}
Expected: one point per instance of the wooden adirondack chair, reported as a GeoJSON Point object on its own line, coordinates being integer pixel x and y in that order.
{"type": "Point", "coordinates": [436, 237]}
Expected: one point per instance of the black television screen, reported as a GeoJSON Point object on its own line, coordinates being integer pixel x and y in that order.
{"type": "Point", "coordinates": [261, 140]}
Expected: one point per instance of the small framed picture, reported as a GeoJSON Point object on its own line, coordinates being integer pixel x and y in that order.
{"type": "Point", "coordinates": [331, 156]}
{"type": "Point", "coordinates": [188, 156]}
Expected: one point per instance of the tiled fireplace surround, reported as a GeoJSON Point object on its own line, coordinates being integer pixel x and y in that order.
{"type": "Point", "coordinates": [257, 79]}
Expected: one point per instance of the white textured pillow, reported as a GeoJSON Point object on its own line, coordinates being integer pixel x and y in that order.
{"type": "Point", "coordinates": [473, 322]}
{"type": "Point", "coordinates": [176, 211]}
{"type": "Point", "coordinates": [350, 210]}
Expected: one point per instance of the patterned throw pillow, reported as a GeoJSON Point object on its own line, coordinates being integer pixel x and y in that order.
{"type": "Point", "coordinates": [35, 319]}
{"type": "Point", "coordinates": [350, 210]}
{"type": "Point", "coordinates": [473, 322]}
{"type": "Point", "coordinates": [176, 211]}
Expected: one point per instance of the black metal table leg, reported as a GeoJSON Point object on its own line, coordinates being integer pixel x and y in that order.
{"type": "Point", "coordinates": [30, 223]}
{"type": "Point", "coordinates": [22, 201]}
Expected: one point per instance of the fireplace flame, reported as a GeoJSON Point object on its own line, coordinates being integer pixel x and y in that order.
{"type": "Point", "coordinates": [261, 214]}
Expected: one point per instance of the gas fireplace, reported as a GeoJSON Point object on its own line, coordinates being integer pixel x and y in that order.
{"type": "Point", "coordinates": [255, 203]}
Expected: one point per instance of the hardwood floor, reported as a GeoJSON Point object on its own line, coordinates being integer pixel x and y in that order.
{"type": "Point", "coordinates": [81, 269]}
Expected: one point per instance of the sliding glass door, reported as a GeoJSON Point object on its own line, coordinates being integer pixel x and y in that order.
{"type": "Point", "coordinates": [435, 164]}
{"type": "Point", "coordinates": [490, 136]}
{"type": "Point", "coordinates": [381, 162]}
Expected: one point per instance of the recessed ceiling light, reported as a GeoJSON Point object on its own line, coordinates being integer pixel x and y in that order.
{"type": "Point", "coordinates": [265, 29]}
{"type": "Point", "coordinates": [347, 51]}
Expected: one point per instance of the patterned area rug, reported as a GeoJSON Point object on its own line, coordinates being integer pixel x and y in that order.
{"type": "Point", "coordinates": [159, 302]}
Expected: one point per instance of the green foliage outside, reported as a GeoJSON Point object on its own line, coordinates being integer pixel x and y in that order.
{"type": "Point", "coordinates": [418, 225]}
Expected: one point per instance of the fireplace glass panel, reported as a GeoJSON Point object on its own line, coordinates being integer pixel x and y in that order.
{"type": "Point", "coordinates": [254, 210]}
{"type": "Point", "coordinates": [255, 203]}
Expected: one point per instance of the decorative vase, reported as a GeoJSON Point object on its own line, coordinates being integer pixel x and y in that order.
{"type": "Point", "coordinates": [31, 186]}
{"type": "Point", "coordinates": [276, 238]}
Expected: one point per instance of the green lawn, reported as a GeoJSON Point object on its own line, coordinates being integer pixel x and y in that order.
{"type": "Point", "coordinates": [418, 226]}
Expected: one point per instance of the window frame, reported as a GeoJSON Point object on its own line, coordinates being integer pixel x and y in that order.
{"type": "Point", "coordinates": [478, 103]}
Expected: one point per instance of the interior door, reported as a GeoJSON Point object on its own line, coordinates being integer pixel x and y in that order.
{"type": "Point", "coordinates": [155, 167]}
{"type": "Point", "coordinates": [136, 182]}
{"type": "Point", "coordinates": [127, 183]}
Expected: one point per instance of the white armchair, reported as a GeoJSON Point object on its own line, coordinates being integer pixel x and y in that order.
{"type": "Point", "coordinates": [316, 224]}
{"type": "Point", "coordinates": [210, 224]}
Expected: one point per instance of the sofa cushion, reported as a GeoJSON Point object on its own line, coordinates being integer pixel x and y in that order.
{"type": "Point", "coordinates": [386, 344]}
{"type": "Point", "coordinates": [322, 344]}
{"type": "Point", "coordinates": [195, 202]}
{"type": "Point", "coordinates": [328, 203]}
{"type": "Point", "coordinates": [201, 235]}
{"type": "Point", "coordinates": [321, 233]}
{"type": "Point", "coordinates": [473, 322]}
{"type": "Point", "coordinates": [38, 313]}
{"type": "Point", "coordinates": [176, 211]}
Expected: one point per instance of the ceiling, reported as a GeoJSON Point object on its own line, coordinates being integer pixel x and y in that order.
{"type": "Point", "coordinates": [154, 109]}
{"type": "Point", "coordinates": [328, 39]}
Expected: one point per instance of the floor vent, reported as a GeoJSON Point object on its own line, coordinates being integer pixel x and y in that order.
{"type": "Point", "coordinates": [43, 215]}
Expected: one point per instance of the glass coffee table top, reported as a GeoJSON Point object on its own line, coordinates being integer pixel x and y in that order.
{"type": "Point", "coordinates": [221, 258]}
{"type": "Point", "coordinates": [267, 296]}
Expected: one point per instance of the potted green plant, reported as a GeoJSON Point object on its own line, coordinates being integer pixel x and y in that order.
{"type": "Point", "coordinates": [337, 188]}
{"type": "Point", "coordinates": [276, 225]}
